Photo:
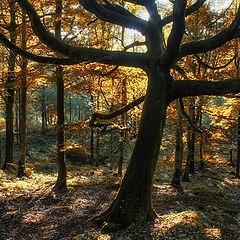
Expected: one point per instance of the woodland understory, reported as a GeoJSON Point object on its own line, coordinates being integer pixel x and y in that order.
{"type": "Point", "coordinates": [207, 208]}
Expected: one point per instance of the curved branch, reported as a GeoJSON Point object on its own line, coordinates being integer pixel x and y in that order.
{"type": "Point", "coordinates": [193, 8]}
{"type": "Point", "coordinates": [213, 67]}
{"type": "Point", "coordinates": [178, 28]}
{"type": "Point", "coordinates": [212, 43]}
{"type": "Point", "coordinates": [180, 70]}
{"type": "Point", "coordinates": [115, 14]}
{"type": "Point", "coordinates": [190, 120]}
{"type": "Point", "coordinates": [184, 88]}
{"type": "Point", "coordinates": [36, 58]}
{"type": "Point", "coordinates": [131, 105]}
{"type": "Point", "coordinates": [80, 54]}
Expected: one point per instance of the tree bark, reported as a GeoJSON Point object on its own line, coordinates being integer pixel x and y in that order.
{"type": "Point", "coordinates": [23, 105]}
{"type": "Point", "coordinates": [191, 147]}
{"type": "Point", "coordinates": [10, 84]}
{"type": "Point", "coordinates": [134, 200]}
{"type": "Point", "coordinates": [17, 114]}
{"type": "Point", "coordinates": [122, 134]}
{"type": "Point", "coordinates": [201, 137]}
{"type": "Point", "coordinates": [43, 110]}
{"type": "Point", "coordinates": [189, 168]}
{"type": "Point", "coordinates": [185, 177]}
{"type": "Point", "coordinates": [61, 183]}
{"type": "Point", "coordinates": [178, 149]}
{"type": "Point", "coordinates": [237, 175]}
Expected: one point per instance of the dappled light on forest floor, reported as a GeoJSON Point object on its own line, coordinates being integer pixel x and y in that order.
{"type": "Point", "coordinates": [166, 224]}
{"type": "Point", "coordinates": [207, 209]}
{"type": "Point", "coordinates": [214, 233]}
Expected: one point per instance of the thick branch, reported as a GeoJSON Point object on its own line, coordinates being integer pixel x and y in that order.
{"type": "Point", "coordinates": [127, 59]}
{"type": "Point", "coordinates": [193, 8]}
{"type": "Point", "coordinates": [184, 88]}
{"type": "Point", "coordinates": [36, 58]}
{"type": "Point", "coordinates": [152, 9]}
{"type": "Point", "coordinates": [131, 105]}
{"type": "Point", "coordinates": [115, 14]}
{"type": "Point", "coordinates": [177, 31]}
{"type": "Point", "coordinates": [212, 43]}
{"type": "Point", "coordinates": [80, 54]}
{"type": "Point", "coordinates": [138, 2]}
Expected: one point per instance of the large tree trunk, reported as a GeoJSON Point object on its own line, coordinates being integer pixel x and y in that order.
{"type": "Point", "coordinates": [133, 203]}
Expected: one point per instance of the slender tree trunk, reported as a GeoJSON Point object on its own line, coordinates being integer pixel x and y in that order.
{"type": "Point", "coordinates": [23, 112]}
{"type": "Point", "coordinates": [192, 152]}
{"type": "Point", "coordinates": [70, 107]}
{"type": "Point", "coordinates": [92, 139]}
{"type": "Point", "coordinates": [10, 85]}
{"type": "Point", "coordinates": [178, 150]}
{"type": "Point", "coordinates": [237, 65]}
{"type": "Point", "coordinates": [17, 114]}
{"type": "Point", "coordinates": [70, 112]}
{"type": "Point", "coordinates": [191, 149]}
{"type": "Point", "coordinates": [61, 183]}
{"type": "Point", "coordinates": [1, 160]}
{"type": "Point", "coordinates": [231, 156]}
{"type": "Point", "coordinates": [43, 110]}
{"type": "Point", "coordinates": [92, 145]}
{"type": "Point", "coordinates": [185, 177]}
{"type": "Point", "coordinates": [121, 155]}
{"type": "Point", "coordinates": [201, 143]}
{"type": "Point", "coordinates": [97, 160]}
{"type": "Point", "coordinates": [189, 168]}
{"type": "Point", "coordinates": [134, 200]}
{"type": "Point", "coordinates": [238, 149]}
{"type": "Point", "coordinates": [122, 132]}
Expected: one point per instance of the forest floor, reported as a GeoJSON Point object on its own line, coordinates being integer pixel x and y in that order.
{"type": "Point", "coordinates": [209, 207]}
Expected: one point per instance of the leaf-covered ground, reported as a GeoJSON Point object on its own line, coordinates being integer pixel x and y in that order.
{"type": "Point", "coordinates": [209, 208]}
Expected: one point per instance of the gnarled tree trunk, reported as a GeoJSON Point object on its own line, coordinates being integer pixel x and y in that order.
{"type": "Point", "coordinates": [134, 200]}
